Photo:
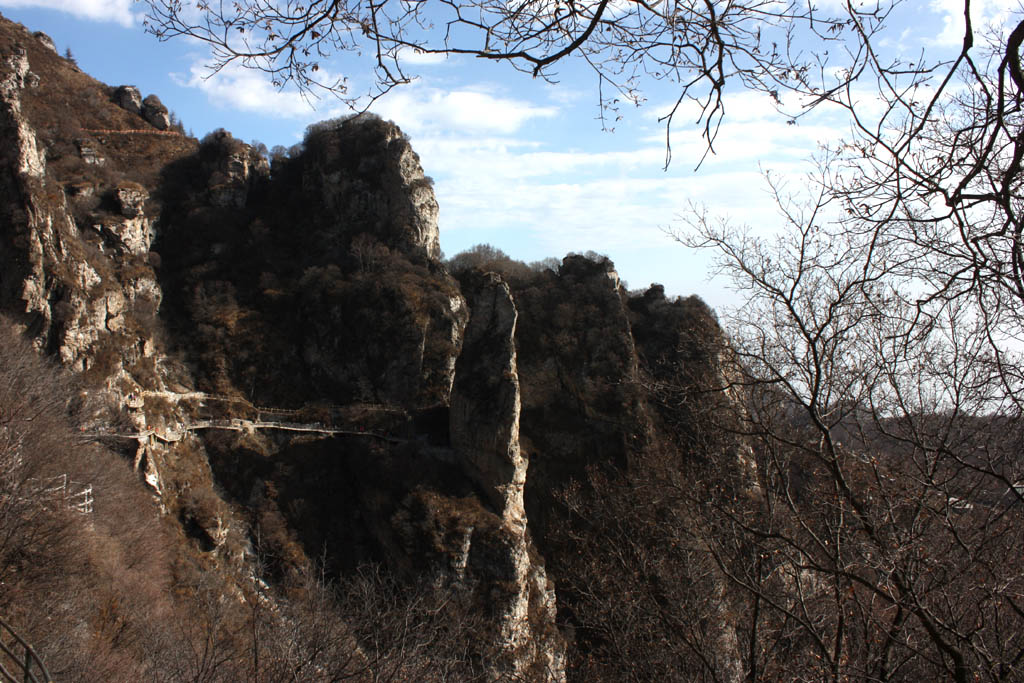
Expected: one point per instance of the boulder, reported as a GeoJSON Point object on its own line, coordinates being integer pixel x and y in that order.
{"type": "Point", "coordinates": [154, 111]}
{"type": "Point", "coordinates": [129, 98]}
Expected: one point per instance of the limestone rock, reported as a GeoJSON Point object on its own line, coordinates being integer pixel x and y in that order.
{"type": "Point", "coordinates": [129, 98]}
{"type": "Point", "coordinates": [131, 199]}
{"type": "Point", "coordinates": [90, 153]}
{"type": "Point", "coordinates": [478, 550]}
{"type": "Point", "coordinates": [154, 111]}
{"type": "Point", "coordinates": [485, 398]}
{"type": "Point", "coordinates": [30, 160]}
{"type": "Point", "coordinates": [484, 428]}
{"type": "Point", "coordinates": [46, 40]}
{"type": "Point", "coordinates": [365, 172]}
{"type": "Point", "coordinates": [65, 291]}
{"type": "Point", "coordinates": [144, 288]}
{"type": "Point", "coordinates": [26, 287]}
{"type": "Point", "coordinates": [228, 163]}
{"type": "Point", "coordinates": [133, 235]}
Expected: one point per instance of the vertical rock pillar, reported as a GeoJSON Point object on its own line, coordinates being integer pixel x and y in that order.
{"type": "Point", "coordinates": [485, 406]}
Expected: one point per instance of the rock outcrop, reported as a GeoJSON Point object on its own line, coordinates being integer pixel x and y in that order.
{"type": "Point", "coordinates": [77, 273]}
{"type": "Point", "coordinates": [40, 232]}
{"type": "Point", "coordinates": [231, 168]}
{"type": "Point", "coordinates": [349, 302]}
{"type": "Point", "coordinates": [581, 403]}
{"type": "Point", "coordinates": [485, 399]}
{"type": "Point", "coordinates": [46, 40]}
{"type": "Point", "coordinates": [129, 98]}
{"type": "Point", "coordinates": [363, 171]}
{"type": "Point", "coordinates": [295, 369]}
{"type": "Point", "coordinates": [154, 111]}
{"type": "Point", "coordinates": [485, 409]}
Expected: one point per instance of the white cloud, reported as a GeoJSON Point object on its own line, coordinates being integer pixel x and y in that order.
{"type": "Point", "coordinates": [983, 13]}
{"type": "Point", "coordinates": [752, 130]}
{"type": "Point", "coordinates": [119, 11]}
{"type": "Point", "coordinates": [248, 90]}
{"type": "Point", "coordinates": [565, 94]}
{"type": "Point", "coordinates": [568, 200]}
{"type": "Point", "coordinates": [471, 110]}
{"type": "Point", "coordinates": [520, 159]}
{"type": "Point", "coordinates": [419, 58]}
{"type": "Point", "coordinates": [532, 197]}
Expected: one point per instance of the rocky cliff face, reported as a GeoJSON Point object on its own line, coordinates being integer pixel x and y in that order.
{"type": "Point", "coordinates": [76, 267]}
{"type": "Point", "coordinates": [353, 303]}
{"type": "Point", "coordinates": [364, 172]}
{"type": "Point", "coordinates": [296, 367]}
{"type": "Point", "coordinates": [485, 412]}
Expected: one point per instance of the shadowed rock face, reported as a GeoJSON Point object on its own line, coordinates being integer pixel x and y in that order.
{"type": "Point", "coordinates": [578, 370]}
{"type": "Point", "coordinates": [338, 301]}
{"type": "Point", "coordinates": [312, 291]}
{"type": "Point", "coordinates": [485, 435]}
{"type": "Point", "coordinates": [364, 172]}
{"type": "Point", "coordinates": [485, 398]}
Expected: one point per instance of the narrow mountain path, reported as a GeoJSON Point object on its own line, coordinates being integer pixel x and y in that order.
{"type": "Point", "coordinates": [137, 400]}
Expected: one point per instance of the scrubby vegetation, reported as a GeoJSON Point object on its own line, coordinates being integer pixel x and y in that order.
{"type": "Point", "coordinates": [279, 488]}
{"type": "Point", "coordinates": [136, 600]}
{"type": "Point", "coordinates": [83, 544]}
{"type": "Point", "coordinates": [484, 257]}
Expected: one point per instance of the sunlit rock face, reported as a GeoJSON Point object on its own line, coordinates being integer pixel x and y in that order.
{"type": "Point", "coordinates": [77, 224]}
{"type": "Point", "coordinates": [485, 409]}
{"type": "Point", "coordinates": [51, 279]}
{"type": "Point", "coordinates": [129, 98]}
{"type": "Point", "coordinates": [365, 172]}
{"type": "Point", "coordinates": [154, 111]}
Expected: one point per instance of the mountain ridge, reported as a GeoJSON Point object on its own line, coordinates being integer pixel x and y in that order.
{"type": "Point", "coordinates": [444, 415]}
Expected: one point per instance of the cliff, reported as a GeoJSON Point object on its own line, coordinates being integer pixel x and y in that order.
{"type": "Point", "coordinates": [300, 381]}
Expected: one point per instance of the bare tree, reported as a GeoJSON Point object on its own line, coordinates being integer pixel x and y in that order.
{"type": "Point", "coordinates": [878, 353]}
{"type": "Point", "coordinates": [699, 47]}
{"type": "Point", "coordinates": [415, 631]}
{"type": "Point", "coordinates": [35, 437]}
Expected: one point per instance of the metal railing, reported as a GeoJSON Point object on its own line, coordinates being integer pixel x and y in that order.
{"type": "Point", "coordinates": [69, 495]}
{"type": "Point", "coordinates": [19, 663]}
{"type": "Point", "coordinates": [72, 495]}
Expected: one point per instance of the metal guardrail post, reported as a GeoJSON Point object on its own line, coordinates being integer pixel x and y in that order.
{"type": "Point", "coordinates": [25, 664]}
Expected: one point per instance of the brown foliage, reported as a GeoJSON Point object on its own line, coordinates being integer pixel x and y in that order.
{"type": "Point", "coordinates": [98, 574]}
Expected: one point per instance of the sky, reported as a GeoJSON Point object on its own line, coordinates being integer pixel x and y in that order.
{"type": "Point", "coordinates": [518, 163]}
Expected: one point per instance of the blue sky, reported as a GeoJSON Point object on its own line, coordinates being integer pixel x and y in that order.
{"type": "Point", "coordinates": [518, 163]}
